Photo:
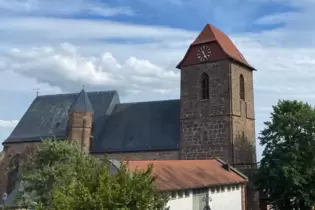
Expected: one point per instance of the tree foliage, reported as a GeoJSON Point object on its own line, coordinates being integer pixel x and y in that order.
{"type": "Point", "coordinates": [287, 172]}
{"type": "Point", "coordinates": [60, 177]}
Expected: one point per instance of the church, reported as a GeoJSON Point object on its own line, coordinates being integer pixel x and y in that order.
{"type": "Point", "coordinates": [214, 117]}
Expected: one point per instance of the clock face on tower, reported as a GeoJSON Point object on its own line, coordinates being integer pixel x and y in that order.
{"type": "Point", "coordinates": [203, 53]}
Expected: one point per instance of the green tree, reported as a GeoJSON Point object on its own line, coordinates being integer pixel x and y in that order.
{"type": "Point", "coordinates": [287, 173]}
{"type": "Point", "coordinates": [60, 177]}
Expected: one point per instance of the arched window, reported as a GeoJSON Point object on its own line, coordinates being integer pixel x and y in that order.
{"type": "Point", "coordinates": [242, 87]}
{"type": "Point", "coordinates": [204, 86]}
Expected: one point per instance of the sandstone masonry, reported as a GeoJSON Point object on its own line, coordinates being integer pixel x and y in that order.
{"type": "Point", "coordinates": [223, 125]}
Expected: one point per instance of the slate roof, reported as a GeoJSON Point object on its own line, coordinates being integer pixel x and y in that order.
{"type": "Point", "coordinates": [82, 103]}
{"type": "Point", "coordinates": [117, 127]}
{"type": "Point", "coordinates": [189, 174]}
{"type": "Point", "coordinates": [47, 116]}
{"type": "Point", "coordinates": [141, 126]}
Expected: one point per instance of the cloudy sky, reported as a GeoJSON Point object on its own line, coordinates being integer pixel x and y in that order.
{"type": "Point", "coordinates": [134, 46]}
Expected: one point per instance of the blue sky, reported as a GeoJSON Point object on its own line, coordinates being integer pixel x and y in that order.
{"type": "Point", "coordinates": [134, 46]}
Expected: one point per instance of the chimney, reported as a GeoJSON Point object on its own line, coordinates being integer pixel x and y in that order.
{"type": "Point", "coordinates": [227, 166]}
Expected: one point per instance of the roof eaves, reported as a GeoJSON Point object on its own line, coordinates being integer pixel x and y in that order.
{"type": "Point", "coordinates": [242, 63]}
{"type": "Point", "coordinates": [114, 151]}
{"type": "Point", "coordinates": [206, 186]}
{"type": "Point", "coordinates": [233, 169]}
{"type": "Point", "coordinates": [30, 139]}
{"type": "Point", "coordinates": [33, 102]}
{"type": "Point", "coordinates": [218, 34]}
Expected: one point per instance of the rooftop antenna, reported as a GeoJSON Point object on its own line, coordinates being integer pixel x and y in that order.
{"type": "Point", "coordinates": [37, 91]}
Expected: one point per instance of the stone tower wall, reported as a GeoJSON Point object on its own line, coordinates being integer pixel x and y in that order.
{"type": "Point", "coordinates": [80, 129]}
{"type": "Point", "coordinates": [244, 140]}
{"type": "Point", "coordinates": [222, 126]}
{"type": "Point", "coordinates": [205, 124]}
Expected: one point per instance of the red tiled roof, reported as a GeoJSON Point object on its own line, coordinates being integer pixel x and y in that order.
{"type": "Point", "coordinates": [211, 33]}
{"type": "Point", "coordinates": [181, 174]}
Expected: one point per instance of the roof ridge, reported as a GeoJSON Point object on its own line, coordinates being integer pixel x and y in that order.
{"type": "Point", "coordinates": [75, 93]}
{"type": "Point", "coordinates": [218, 38]}
{"type": "Point", "coordinates": [210, 34]}
{"type": "Point", "coordinates": [142, 102]}
{"type": "Point", "coordinates": [224, 34]}
{"type": "Point", "coordinates": [212, 159]}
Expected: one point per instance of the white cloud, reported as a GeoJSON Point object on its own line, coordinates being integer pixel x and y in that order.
{"type": "Point", "coordinates": [281, 73]}
{"type": "Point", "coordinates": [279, 18]}
{"type": "Point", "coordinates": [16, 5]}
{"type": "Point", "coordinates": [62, 8]}
{"type": "Point", "coordinates": [35, 30]}
{"type": "Point", "coordinates": [114, 11]}
{"type": "Point", "coordinates": [284, 57]}
{"type": "Point", "coordinates": [41, 61]}
{"type": "Point", "coordinates": [149, 65]}
{"type": "Point", "coordinates": [64, 67]}
{"type": "Point", "coordinates": [8, 123]}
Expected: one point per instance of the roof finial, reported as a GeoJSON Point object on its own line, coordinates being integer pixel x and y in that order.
{"type": "Point", "coordinates": [37, 91]}
{"type": "Point", "coordinates": [83, 87]}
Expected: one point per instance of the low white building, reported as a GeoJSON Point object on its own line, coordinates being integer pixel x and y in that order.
{"type": "Point", "coordinates": [194, 184]}
{"type": "Point", "coordinates": [223, 197]}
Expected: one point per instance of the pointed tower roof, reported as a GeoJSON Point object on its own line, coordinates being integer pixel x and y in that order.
{"type": "Point", "coordinates": [212, 34]}
{"type": "Point", "coordinates": [82, 103]}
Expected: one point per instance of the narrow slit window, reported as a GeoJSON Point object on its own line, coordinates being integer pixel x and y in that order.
{"type": "Point", "coordinates": [204, 86]}
{"type": "Point", "coordinates": [242, 87]}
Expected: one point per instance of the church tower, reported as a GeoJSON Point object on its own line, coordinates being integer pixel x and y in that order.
{"type": "Point", "coordinates": [217, 101]}
{"type": "Point", "coordinates": [80, 121]}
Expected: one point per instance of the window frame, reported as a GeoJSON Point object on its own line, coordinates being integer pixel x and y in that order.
{"type": "Point", "coordinates": [242, 87]}
{"type": "Point", "coordinates": [205, 92]}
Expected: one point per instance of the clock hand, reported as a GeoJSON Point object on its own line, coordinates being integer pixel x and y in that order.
{"type": "Point", "coordinates": [204, 55]}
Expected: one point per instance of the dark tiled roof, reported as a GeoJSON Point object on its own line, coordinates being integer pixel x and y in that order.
{"type": "Point", "coordinates": [183, 174]}
{"type": "Point", "coordinates": [48, 115]}
{"type": "Point", "coordinates": [82, 103]}
{"type": "Point", "coordinates": [140, 127]}
{"type": "Point", "coordinates": [117, 127]}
